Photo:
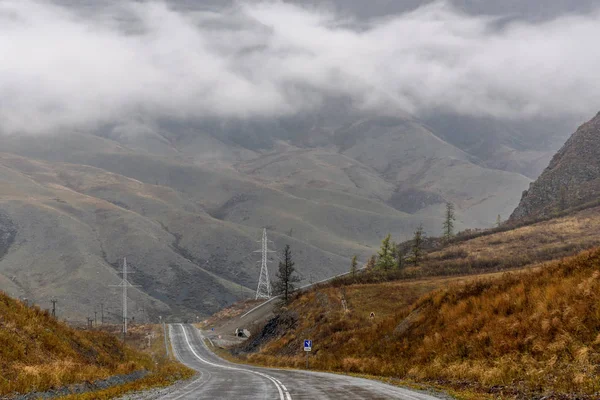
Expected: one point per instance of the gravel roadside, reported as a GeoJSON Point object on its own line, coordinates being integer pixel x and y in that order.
{"type": "Point", "coordinates": [158, 393]}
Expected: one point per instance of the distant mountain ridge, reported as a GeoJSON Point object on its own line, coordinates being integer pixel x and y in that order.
{"type": "Point", "coordinates": [571, 179]}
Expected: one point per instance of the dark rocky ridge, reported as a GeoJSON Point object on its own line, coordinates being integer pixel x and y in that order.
{"type": "Point", "coordinates": [571, 179]}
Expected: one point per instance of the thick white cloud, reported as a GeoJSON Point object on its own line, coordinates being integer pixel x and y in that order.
{"type": "Point", "coordinates": [59, 69]}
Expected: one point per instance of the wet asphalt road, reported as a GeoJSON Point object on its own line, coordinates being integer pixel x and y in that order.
{"type": "Point", "coordinates": [219, 379]}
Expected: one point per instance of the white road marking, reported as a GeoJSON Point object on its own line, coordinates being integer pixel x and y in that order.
{"type": "Point", "coordinates": [199, 382]}
{"type": "Point", "coordinates": [283, 392]}
{"type": "Point", "coordinates": [287, 393]}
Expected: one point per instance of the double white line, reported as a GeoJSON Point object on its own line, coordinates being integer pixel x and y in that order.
{"type": "Point", "coordinates": [284, 394]}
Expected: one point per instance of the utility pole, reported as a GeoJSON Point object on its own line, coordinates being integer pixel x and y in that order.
{"type": "Point", "coordinates": [96, 318]}
{"type": "Point", "coordinates": [263, 291]}
{"type": "Point", "coordinates": [124, 284]}
{"type": "Point", "coordinates": [102, 313]}
{"type": "Point", "coordinates": [54, 301]}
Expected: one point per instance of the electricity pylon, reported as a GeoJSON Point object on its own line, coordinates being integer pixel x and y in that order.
{"type": "Point", "coordinates": [263, 291]}
{"type": "Point", "coordinates": [124, 284]}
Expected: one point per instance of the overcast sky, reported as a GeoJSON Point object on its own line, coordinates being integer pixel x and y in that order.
{"type": "Point", "coordinates": [59, 69]}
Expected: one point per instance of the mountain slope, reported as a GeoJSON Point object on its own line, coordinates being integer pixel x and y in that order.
{"type": "Point", "coordinates": [571, 179]}
{"type": "Point", "coordinates": [186, 212]}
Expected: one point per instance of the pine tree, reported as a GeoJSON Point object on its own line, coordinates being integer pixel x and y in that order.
{"type": "Point", "coordinates": [286, 278]}
{"type": "Point", "coordinates": [449, 222]}
{"type": "Point", "coordinates": [417, 247]}
{"type": "Point", "coordinates": [354, 266]}
{"type": "Point", "coordinates": [394, 251]}
{"type": "Point", "coordinates": [399, 258]}
{"type": "Point", "coordinates": [385, 260]}
{"type": "Point", "coordinates": [371, 263]}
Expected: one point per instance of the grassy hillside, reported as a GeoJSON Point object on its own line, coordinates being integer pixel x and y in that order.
{"type": "Point", "coordinates": [38, 353]}
{"type": "Point", "coordinates": [515, 335]}
{"type": "Point", "coordinates": [510, 248]}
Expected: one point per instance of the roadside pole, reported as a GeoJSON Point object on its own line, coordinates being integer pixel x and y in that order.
{"type": "Point", "coordinates": [307, 349]}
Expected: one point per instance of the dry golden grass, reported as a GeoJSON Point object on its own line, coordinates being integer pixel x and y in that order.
{"type": "Point", "coordinates": [514, 335]}
{"type": "Point", "coordinates": [165, 372]}
{"type": "Point", "coordinates": [39, 353]}
{"type": "Point", "coordinates": [519, 247]}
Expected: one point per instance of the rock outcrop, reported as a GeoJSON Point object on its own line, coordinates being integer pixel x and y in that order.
{"type": "Point", "coordinates": [572, 178]}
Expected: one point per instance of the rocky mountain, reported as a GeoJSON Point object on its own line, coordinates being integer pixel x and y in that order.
{"type": "Point", "coordinates": [571, 179]}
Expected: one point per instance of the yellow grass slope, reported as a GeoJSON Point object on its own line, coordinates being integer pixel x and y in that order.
{"type": "Point", "coordinates": [39, 353]}
{"type": "Point", "coordinates": [515, 335]}
{"type": "Point", "coordinates": [490, 251]}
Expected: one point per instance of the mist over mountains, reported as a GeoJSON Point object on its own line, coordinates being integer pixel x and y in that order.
{"type": "Point", "coordinates": [172, 133]}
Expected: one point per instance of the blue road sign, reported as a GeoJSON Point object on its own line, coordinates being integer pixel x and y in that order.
{"type": "Point", "coordinates": [307, 345]}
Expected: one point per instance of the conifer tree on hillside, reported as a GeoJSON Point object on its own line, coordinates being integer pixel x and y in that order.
{"type": "Point", "coordinates": [449, 219]}
{"type": "Point", "coordinates": [399, 258]}
{"type": "Point", "coordinates": [354, 266]}
{"type": "Point", "coordinates": [286, 278]}
{"type": "Point", "coordinates": [417, 246]}
{"type": "Point", "coordinates": [385, 260]}
{"type": "Point", "coordinates": [394, 251]}
{"type": "Point", "coordinates": [371, 263]}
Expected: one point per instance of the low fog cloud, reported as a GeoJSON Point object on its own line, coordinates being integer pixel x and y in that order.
{"type": "Point", "coordinates": [59, 69]}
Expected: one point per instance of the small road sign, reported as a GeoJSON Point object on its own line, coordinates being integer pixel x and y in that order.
{"type": "Point", "coordinates": [308, 345]}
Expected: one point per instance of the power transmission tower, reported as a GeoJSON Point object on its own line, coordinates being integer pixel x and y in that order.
{"type": "Point", "coordinates": [124, 284]}
{"type": "Point", "coordinates": [263, 291]}
{"type": "Point", "coordinates": [102, 313]}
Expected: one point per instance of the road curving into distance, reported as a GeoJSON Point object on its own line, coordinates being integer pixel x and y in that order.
{"type": "Point", "coordinates": [220, 379]}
